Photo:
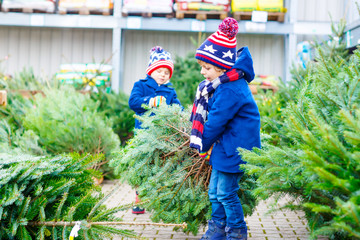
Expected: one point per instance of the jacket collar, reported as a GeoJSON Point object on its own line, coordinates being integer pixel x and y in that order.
{"type": "Point", "coordinates": [153, 84]}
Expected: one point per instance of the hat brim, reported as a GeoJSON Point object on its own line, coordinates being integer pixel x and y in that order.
{"type": "Point", "coordinates": [212, 60]}
{"type": "Point", "coordinates": [159, 64]}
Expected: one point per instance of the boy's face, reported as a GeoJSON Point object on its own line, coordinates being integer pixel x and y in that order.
{"type": "Point", "coordinates": [210, 72]}
{"type": "Point", "coordinates": [161, 75]}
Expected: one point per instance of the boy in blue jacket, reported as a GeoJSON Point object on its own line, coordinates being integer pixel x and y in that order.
{"type": "Point", "coordinates": [154, 90]}
{"type": "Point", "coordinates": [225, 117]}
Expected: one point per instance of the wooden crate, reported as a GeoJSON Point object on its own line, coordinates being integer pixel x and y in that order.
{"type": "Point", "coordinates": [28, 7]}
{"type": "Point", "coordinates": [201, 15]}
{"type": "Point", "coordinates": [85, 11]}
{"type": "Point", "coordinates": [148, 14]}
{"type": "Point", "coordinates": [85, 7]}
{"type": "Point", "coordinates": [272, 16]}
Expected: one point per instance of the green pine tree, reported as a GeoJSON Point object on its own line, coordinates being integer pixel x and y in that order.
{"type": "Point", "coordinates": [42, 197]}
{"type": "Point", "coordinates": [79, 127]}
{"type": "Point", "coordinates": [316, 164]}
{"type": "Point", "coordinates": [169, 175]}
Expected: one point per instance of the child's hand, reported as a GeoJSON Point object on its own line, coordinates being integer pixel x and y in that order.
{"type": "Point", "coordinates": [157, 101]}
{"type": "Point", "coordinates": [206, 155]}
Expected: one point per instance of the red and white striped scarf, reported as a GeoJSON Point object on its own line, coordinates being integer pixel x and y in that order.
{"type": "Point", "coordinates": [199, 112]}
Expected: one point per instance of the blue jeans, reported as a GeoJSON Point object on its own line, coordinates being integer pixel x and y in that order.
{"type": "Point", "coordinates": [225, 203]}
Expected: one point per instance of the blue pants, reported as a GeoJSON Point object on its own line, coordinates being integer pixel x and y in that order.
{"type": "Point", "coordinates": [225, 203]}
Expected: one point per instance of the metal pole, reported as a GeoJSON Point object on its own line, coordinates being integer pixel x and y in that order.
{"type": "Point", "coordinates": [116, 49]}
{"type": "Point", "coordinates": [290, 39]}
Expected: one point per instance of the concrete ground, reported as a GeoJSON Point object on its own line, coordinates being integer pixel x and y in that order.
{"type": "Point", "coordinates": [287, 225]}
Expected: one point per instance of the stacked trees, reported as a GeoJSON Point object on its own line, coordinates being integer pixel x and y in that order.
{"type": "Point", "coordinates": [41, 198]}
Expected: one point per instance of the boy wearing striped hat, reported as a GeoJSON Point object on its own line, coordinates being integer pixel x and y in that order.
{"type": "Point", "coordinates": [154, 90]}
{"type": "Point", "coordinates": [225, 117]}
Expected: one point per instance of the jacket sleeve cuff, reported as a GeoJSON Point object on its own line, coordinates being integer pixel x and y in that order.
{"type": "Point", "coordinates": [147, 99]}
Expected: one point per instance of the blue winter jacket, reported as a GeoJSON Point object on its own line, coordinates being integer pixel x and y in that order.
{"type": "Point", "coordinates": [144, 90]}
{"type": "Point", "coordinates": [233, 119]}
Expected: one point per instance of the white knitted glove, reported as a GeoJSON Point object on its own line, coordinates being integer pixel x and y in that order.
{"type": "Point", "coordinates": [157, 101]}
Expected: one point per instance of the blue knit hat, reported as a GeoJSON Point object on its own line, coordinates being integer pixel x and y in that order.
{"type": "Point", "coordinates": [220, 48]}
{"type": "Point", "coordinates": [159, 58]}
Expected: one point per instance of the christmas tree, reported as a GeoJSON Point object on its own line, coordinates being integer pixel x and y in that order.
{"type": "Point", "coordinates": [169, 175]}
{"type": "Point", "coordinates": [43, 198]}
{"type": "Point", "coordinates": [316, 164]}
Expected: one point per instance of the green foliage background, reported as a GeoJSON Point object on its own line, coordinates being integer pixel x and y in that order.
{"type": "Point", "coordinates": [115, 107]}
{"type": "Point", "coordinates": [186, 78]}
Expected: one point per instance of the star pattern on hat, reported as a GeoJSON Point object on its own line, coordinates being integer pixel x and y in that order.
{"type": "Point", "coordinates": [210, 48]}
{"type": "Point", "coordinates": [228, 54]}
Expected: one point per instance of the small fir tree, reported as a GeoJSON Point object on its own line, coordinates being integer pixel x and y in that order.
{"type": "Point", "coordinates": [170, 175]}
{"type": "Point", "coordinates": [67, 121]}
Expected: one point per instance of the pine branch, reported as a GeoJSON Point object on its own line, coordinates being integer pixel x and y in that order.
{"type": "Point", "coordinates": [186, 134]}
{"type": "Point", "coordinates": [89, 224]}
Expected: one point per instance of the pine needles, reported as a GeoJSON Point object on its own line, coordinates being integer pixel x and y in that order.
{"type": "Point", "coordinates": [39, 194]}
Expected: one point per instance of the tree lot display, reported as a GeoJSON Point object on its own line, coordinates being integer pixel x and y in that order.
{"type": "Point", "coordinates": [271, 105]}
{"type": "Point", "coordinates": [112, 107]}
{"type": "Point", "coordinates": [62, 121]}
{"type": "Point", "coordinates": [313, 156]}
{"type": "Point", "coordinates": [84, 122]}
{"type": "Point", "coordinates": [169, 175]}
{"type": "Point", "coordinates": [310, 152]}
{"type": "Point", "coordinates": [41, 194]}
{"type": "Point", "coordinates": [11, 128]}
{"type": "Point", "coordinates": [24, 80]}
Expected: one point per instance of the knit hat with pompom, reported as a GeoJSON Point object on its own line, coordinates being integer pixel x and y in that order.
{"type": "Point", "coordinates": [159, 58]}
{"type": "Point", "coordinates": [220, 48]}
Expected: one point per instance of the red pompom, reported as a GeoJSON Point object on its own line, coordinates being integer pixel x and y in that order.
{"type": "Point", "coordinates": [229, 27]}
